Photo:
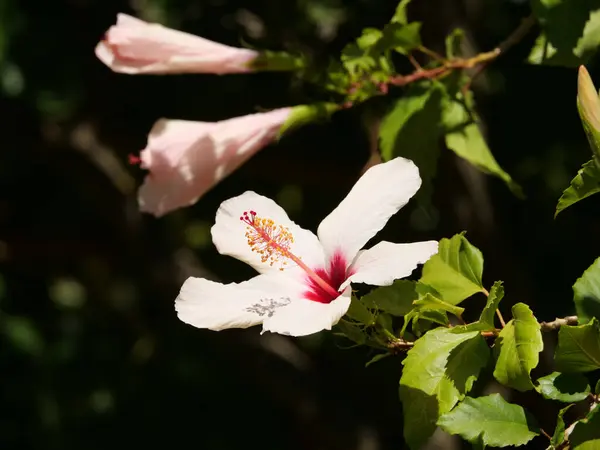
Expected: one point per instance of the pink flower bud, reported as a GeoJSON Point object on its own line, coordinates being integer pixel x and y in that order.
{"type": "Point", "coordinates": [187, 158]}
{"type": "Point", "coordinates": [588, 99]}
{"type": "Point", "coordinates": [133, 46]}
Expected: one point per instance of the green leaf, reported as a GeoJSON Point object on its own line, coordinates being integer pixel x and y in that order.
{"type": "Point", "coordinates": [376, 358]}
{"type": "Point", "coordinates": [357, 60]}
{"type": "Point", "coordinates": [455, 271]}
{"type": "Point", "coordinates": [400, 14]}
{"type": "Point", "coordinates": [517, 349]}
{"type": "Point", "coordinates": [421, 319]}
{"type": "Point", "coordinates": [559, 431]}
{"type": "Point", "coordinates": [451, 363]}
{"type": "Point", "coordinates": [432, 303]}
{"type": "Point", "coordinates": [396, 299]}
{"type": "Point", "coordinates": [465, 139]}
{"type": "Point", "coordinates": [489, 311]}
{"type": "Point", "coordinates": [490, 419]}
{"type": "Point", "coordinates": [385, 322]}
{"type": "Point", "coordinates": [586, 294]}
{"type": "Point", "coordinates": [368, 38]}
{"type": "Point", "coordinates": [486, 320]}
{"type": "Point", "coordinates": [585, 183]}
{"type": "Point", "coordinates": [597, 389]}
{"type": "Point", "coordinates": [571, 32]}
{"type": "Point", "coordinates": [564, 387]}
{"type": "Point", "coordinates": [578, 348]}
{"type": "Point", "coordinates": [22, 334]}
{"type": "Point", "coordinates": [453, 43]}
{"type": "Point", "coordinates": [304, 114]}
{"type": "Point", "coordinates": [359, 312]}
{"type": "Point", "coordinates": [351, 331]}
{"type": "Point", "coordinates": [412, 129]}
{"type": "Point", "coordinates": [402, 38]}
{"type": "Point", "coordinates": [586, 434]}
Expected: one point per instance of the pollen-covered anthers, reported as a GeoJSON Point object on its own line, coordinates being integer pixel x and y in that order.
{"type": "Point", "coordinates": [270, 240]}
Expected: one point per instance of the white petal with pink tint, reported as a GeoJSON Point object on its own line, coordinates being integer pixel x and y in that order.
{"type": "Point", "coordinates": [301, 318]}
{"type": "Point", "coordinates": [305, 297]}
{"type": "Point", "coordinates": [229, 233]}
{"type": "Point", "coordinates": [187, 158]}
{"type": "Point", "coordinates": [133, 46]}
{"type": "Point", "coordinates": [376, 196]}
{"type": "Point", "coordinates": [216, 306]}
{"type": "Point", "coordinates": [386, 262]}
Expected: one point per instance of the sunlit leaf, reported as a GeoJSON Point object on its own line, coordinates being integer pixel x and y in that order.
{"type": "Point", "coordinates": [586, 294]}
{"type": "Point", "coordinates": [465, 139]}
{"type": "Point", "coordinates": [517, 348]}
{"type": "Point", "coordinates": [559, 431]}
{"type": "Point", "coordinates": [368, 38]}
{"type": "Point", "coordinates": [585, 183]}
{"type": "Point", "coordinates": [489, 311]}
{"type": "Point", "coordinates": [578, 348]}
{"type": "Point", "coordinates": [563, 387]}
{"type": "Point", "coordinates": [412, 129]}
{"type": "Point", "coordinates": [455, 271]}
{"type": "Point", "coordinates": [453, 42]}
{"type": "Point", "coordinates": [402, 38]}
{"type": "Point", "coordinates": [400, 14]}
{"type": "Point", "coordinates": [452, 363]}
{"type": "Point", "coordinates": [491, 420]}
{"type": "Point", "coordinates": [420, 320]}
{"type": "Point", "coordinates": [571, 32]}
{"type": "Point", "coordinates": [431, 302]}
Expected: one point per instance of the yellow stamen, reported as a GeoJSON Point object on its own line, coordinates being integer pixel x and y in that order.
{"type": "Point", "coordinates": [272, 242]}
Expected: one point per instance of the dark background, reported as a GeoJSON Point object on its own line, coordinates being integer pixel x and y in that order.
{"type": "Point", "coordinates": [91, 352]}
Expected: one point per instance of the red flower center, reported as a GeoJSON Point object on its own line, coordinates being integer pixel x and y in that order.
{"type": "Point", "coordinates": [272, 242]}
{"type": "Point", "coordinates": [334, 276]}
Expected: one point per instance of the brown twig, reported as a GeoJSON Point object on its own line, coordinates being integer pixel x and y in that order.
{"type": "Point", "coordinates": [519, 33]}
{"type": "Point", "coordinates": [480, 61]}
{"type": "Point", "coordinates": [558, 322]}
{"type": "Point", "coordinates": [397, 345]}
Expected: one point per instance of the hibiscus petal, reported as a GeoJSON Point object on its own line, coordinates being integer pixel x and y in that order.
{"type": "Point", "coordinates": [133, 46]}
{"type": "Point", "coordinates": [216, 306]}
{"type": "Point", "coordinates": [303, 317]}
{"type": "Point", "coordinates": [229, 234]}
{"type": "Point", "coordinates": [386, 262]}
{"type": "Point", "coordinates": [377, 195]}
{"type": "Point", "coordinates": [187, 158]}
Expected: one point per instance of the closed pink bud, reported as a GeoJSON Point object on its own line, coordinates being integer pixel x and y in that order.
{"type": "Point", "coordinates": [133, 46]}
{"type": "Point", "coordinates": [187, 158]}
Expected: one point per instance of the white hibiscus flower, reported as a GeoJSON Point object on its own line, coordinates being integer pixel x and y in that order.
{"type": "Point", "coordinates": [303, 284]}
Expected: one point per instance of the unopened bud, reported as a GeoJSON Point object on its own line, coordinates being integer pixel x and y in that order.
{"type": "Point", "coordinates": [589, 102]}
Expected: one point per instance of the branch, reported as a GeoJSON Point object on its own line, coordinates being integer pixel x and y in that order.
{"type": "Point", "coordinates": [398, 345]}
{"type": "Point", "coordinates": [558, 322]}
{"type": "Point", "coordinates": [516, 36]}
{"type": "Point", "coordinates": [479, 61]}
